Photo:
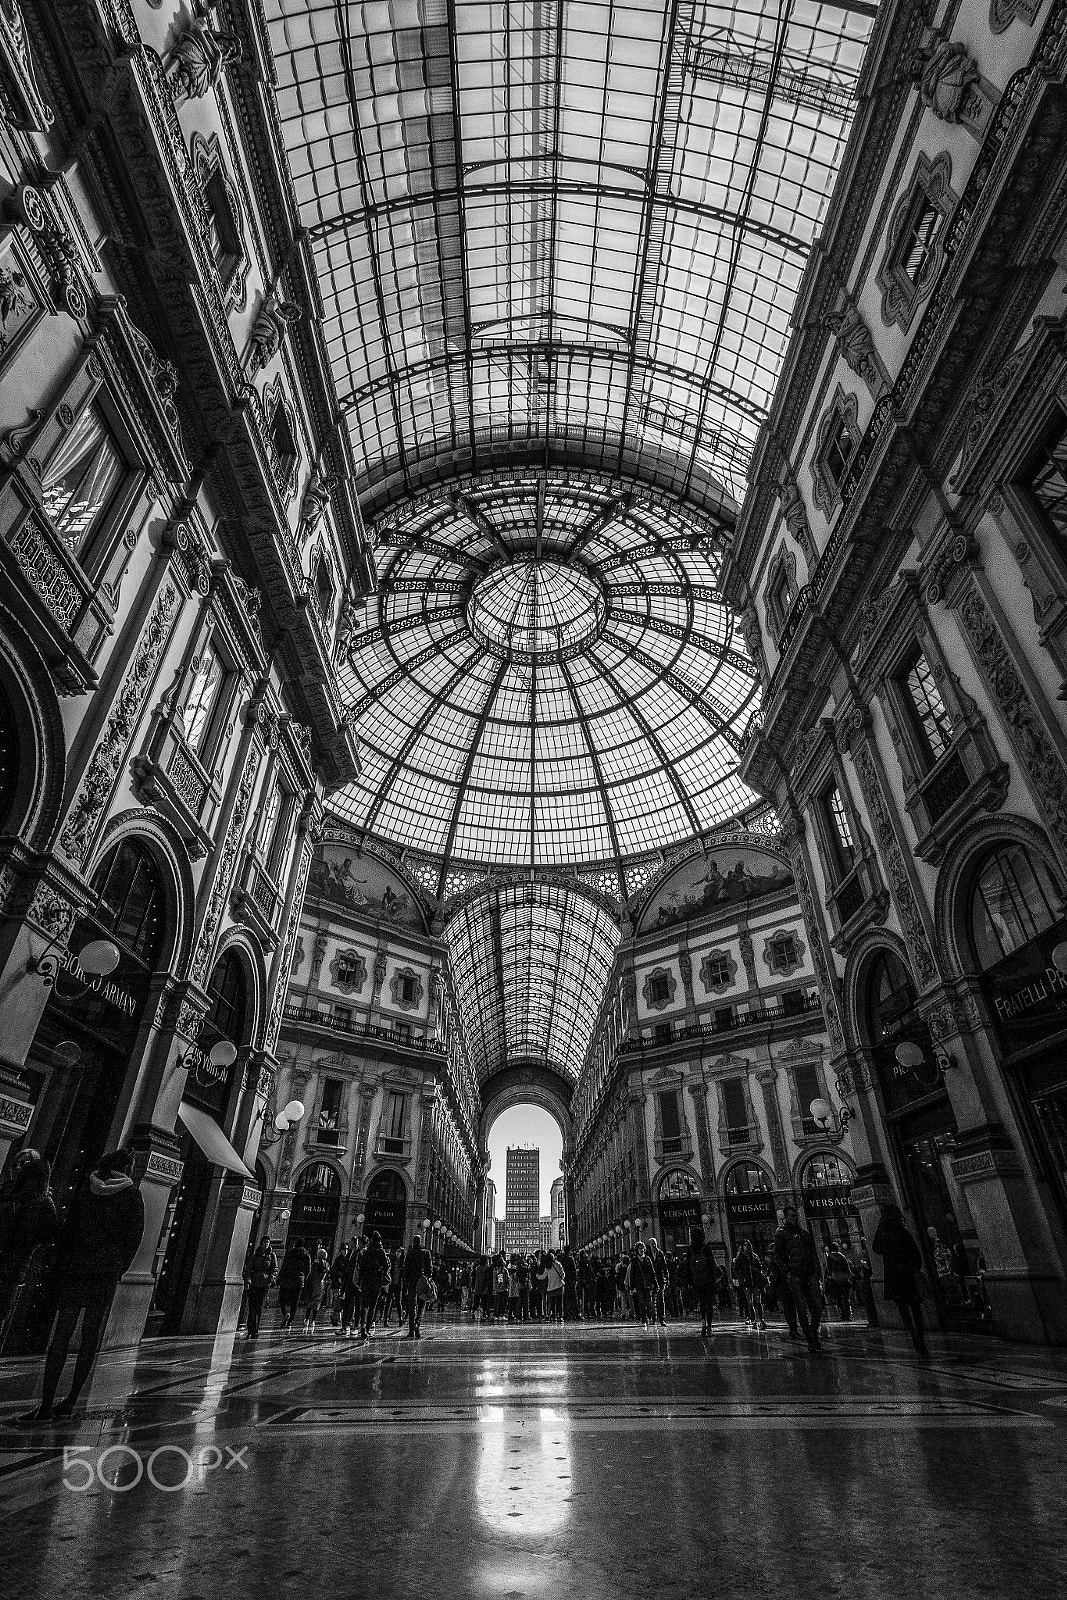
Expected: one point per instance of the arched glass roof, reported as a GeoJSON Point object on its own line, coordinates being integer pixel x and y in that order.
{"type": "Point", "coordinates": [529, 965]}
{"type": "Point", "coordinates": [571, 231]}
{"type": "Point", "coordinates": [547, 676]}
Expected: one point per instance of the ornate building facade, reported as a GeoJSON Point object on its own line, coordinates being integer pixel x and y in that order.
{"type": "Point", "coordinates": [900, 564]}
{"type": "Point", "coordinates": [179, 552]}
{"type": "Point", "coordinates": [707, 1099]}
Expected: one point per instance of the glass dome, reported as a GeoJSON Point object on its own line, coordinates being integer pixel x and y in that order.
{"type": "Point", "coordinates": [547, 676]}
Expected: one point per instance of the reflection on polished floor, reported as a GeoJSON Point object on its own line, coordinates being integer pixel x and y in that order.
{"type": "Point", "coordinates": [590, 1460]}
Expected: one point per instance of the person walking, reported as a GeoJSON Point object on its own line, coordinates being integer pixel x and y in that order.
{"type": "Point", "coordinates": [338, 1275]}
{"type": "Point", "coordinates": [95, 1246]}
{"type": "Point", "coordinates": [554, 1283]}
{"type": "Point", "coordinates": [750, 1275]}
{"type": "Point", "coordinates": [373, 1283]}
{"type": "Point", "coordinates": [658, 1262]}
{"type": "Point", "coordinates": [394, 1295]}
{"type": "Point", "coordinates": [351, 1297]}
{"type": "Point", "coordinates": [262, 1271]}
{"type": "Point", "coordinates": [704, 1276]}
{"type": "Point", "coordinates": [417, 1266]}
{"type": "Point", "coordinates": [296, 1266]}
{"type": "Point", "coordinates": [794, 1250]}
{"type": "Point", "coordinates": [903, 1261]}
{"type": "Point", "coordinates": [315, 1288]}
{"type": "Point", "coordinates": [839, 1281]}
{"type": "Point", "coordinates": [27, 1224]}
{"type": "Point", "coordinates": [641, 1282]}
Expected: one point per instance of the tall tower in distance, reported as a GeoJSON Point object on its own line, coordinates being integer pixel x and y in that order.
{"type": "Point", "coordinates": [522, 1205]}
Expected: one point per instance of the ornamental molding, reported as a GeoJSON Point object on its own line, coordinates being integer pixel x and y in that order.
{"type": "Point", "coordinates": [1038, 756]}
{"type": "Point", "coordinates": [901, 297]}
{"type": "Point", "coordinates": [857, 349]}
{"type": "Point", "coordinates": [811, 915]}
{"type": "Point", "coordinates": [99, 781]}
{"type": "Point", "coordinates": [225, 869]}
{"type": "Point", "coordinates": [286, 961]}
{"type": "Point", "coordinates": [950, 83]}
{"type": "Point", "coordinates": [896, 869]}
{"type": "Point", "coordinates": [1002, 13]}
{"type": "Point", "coordinates": [22, 102]}
{"type": "Point", "coordinates": [198, 59]}
{"type": "Point", "coordinates": [843, 408]}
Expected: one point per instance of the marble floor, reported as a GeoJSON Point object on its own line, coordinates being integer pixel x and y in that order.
{"type": "Point", "coordinates": [590, 1460]}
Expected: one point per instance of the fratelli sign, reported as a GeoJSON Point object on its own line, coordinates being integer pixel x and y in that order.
{"type": "Point", "coordinates": [1026, 994]}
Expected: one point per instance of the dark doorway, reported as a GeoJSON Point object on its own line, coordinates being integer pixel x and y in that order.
{"type": "Point", "coordinates": [386, 1208]}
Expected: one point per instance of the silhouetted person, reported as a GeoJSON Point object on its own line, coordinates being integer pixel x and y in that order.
{"type": "Point", "coordinates": [27, 1223]}
{"type": "Point", "coordinates": [794, 1251]}
{"type": "Point", "coordinates": [903, 1261]}
{"type": "Point", "coordinates": [95, 1247]}
{"type": "Point", "coordinates": [262, 1271]}
{"type": "Point", "coordinates": [416, 1270]}
{"type": "Point", "coordinates": [296, 1266]}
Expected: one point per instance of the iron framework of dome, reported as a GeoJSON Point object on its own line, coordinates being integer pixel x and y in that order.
{"type": "Point", "coordinates": [546, 677]}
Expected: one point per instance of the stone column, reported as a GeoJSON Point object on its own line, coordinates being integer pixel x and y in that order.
{"type": "Point", "coordinates": [767, 1078]}
{"type": "Point", "coordinates": [157, 1170]}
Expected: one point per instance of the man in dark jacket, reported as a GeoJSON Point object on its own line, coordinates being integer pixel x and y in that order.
{"type": "Point", "coordinates": [296, 1268]}
{"type": "Point", "coordinates": [261, 1273]}
{"type": "Point", "coordinates": [96, 1245]}
{"type": "Point", "coordinates": [798, 1262]}
{"type": "Point", "coordinates": [373, 1282]}
{"type": "Point", "coordinates": [27, 1223]}
{"type": "Point", "coordinates": [416, 1267]}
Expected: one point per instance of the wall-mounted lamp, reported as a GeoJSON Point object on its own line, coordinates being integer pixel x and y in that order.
{"type": "Point", "coordinates": [97, 959]}
{"type": "Point", "coordinates": [1059, 956]}
{"type": "Point", "coordinates": [822, 1112]}
{"type": "Point", "coordinates": [908, 1054]}
{"type": "Point", "coordinates": [280, 1123]}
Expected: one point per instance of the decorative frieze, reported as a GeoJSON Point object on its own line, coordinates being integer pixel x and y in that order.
{"type": "Point", "coordinates": [22, 103]}
{"type": "Point", "coordinates": [1037, 754]}
{"type": "Point", "coordinates": [103, 770]}
{"type": "Point", "coordinates": [225, 869]}
{"type": "Point", "coordinates": [198, 60]}
{"type": "Point", "coordinates": [896, 869]}
{"type": "Point", "coordinates": [288, 944]}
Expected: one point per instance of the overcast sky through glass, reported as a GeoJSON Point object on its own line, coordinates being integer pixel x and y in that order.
{"type": "Point", "coordinates": [527, 1125]}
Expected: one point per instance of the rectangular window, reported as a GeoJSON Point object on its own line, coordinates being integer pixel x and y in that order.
{"type": "Point", "coordinates": [1046, 480]}
{"type": "Point", "coordinates": [735, 1107]}
{"type": "Point", "coordinates": [782, 953]}
{"type": "Point", "coordinates": [717, 972]}
{"type": "Point", "coordinates": [724, 1016]}
{"type": "Point", "coordinates": [780, 598]}
{"type": "Point", "coordinates": [917, 237]}
{"type": "Point", "coordinates": [926, 709]}
{"type": "Point", "coordinates": [670, 1121]}
{"type": "Point", "coordinates": [794, 1002]}
{"type": "Point", "coordinates": [659, 989]}
{"type": "Point", "coordinates": [82, 478]}
{"type": "Point", "coordinates": [330, 1111]}
{"type": "Point", "coordinates": [393, 1115]}
{"type": "Point", "coordinates": [808, 1088]}
{"type": "Point", "coordinates": [838, 830]}
{"type": "Point", "coordinates": [403, 1032]}
{"type": "Point", "coordinates": [342, 1015]}
{"type": "Point", "coordinates": [407, 989]}
{"type": "Point", "coordinates": [268, 819]}
{"type": "Point", "coordinates": [202, 696]}
{"type": "Point", "coordinates": [662, 1033]}
{"type": "Point", "coordinates": [837, 451]}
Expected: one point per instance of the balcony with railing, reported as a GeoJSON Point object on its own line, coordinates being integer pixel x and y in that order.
{"type": "Point", "coordinates": [400, 1036]}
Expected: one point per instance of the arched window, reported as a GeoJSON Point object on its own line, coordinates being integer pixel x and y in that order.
{"type": "Point", "coordinates": [826, 1172]}
{"type": "Point", "coordinates": [318, 1179]}
{"type": "Point", "coordinates": [387, 1186]}
{"type": "Point", "coordinates": [891, 999]}
{"type": "Point", "coordinates": [747, 1178]}
{"type": "Point", "coordinates": [132, 901]}
{"type": "Point", "coordinates": [10, 759]}
{"type": "Point", "coordinates": [226, 988]}
{"type": "Point", "coordinates": [1012, 901]}
{"type": "Point", "coordinates": [679, 1186]}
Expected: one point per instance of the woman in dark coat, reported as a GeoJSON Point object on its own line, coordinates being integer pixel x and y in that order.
{"type": "Point", "coordinates": [296, 1265]}
{"type": "Point", "coordinates": [262, 1271]}
{"type": "Point", "coordinates": [903, 1261]}
{"type": "Point", "coordinates": [27, 1223]}
{"type": "Point", "coordinates": [703, 1275]}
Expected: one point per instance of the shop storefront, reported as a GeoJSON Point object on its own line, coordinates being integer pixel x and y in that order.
{"type": "Point", "coordinates": [923, 1135]}
{"type": "Point", "coordinates": [750, 1209]}
{"type": "Point", "coordinates": [679, 1211]}
{"type": "Point", "coordinates": [826, 1196]}
{"type": "Point", "coordinates": [85, 1046]}
{"type": "Point", "coordinates": [1020, 948]}
{"type": "Point", "coordinates": [316, 1208]}
{"type": "Point", "coordinates": [386, 1209]}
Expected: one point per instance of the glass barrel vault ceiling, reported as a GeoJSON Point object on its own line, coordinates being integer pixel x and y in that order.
{"type": "Point", "coordinates": [546, 676]}
{"type": "Point", "coordinates": [572, 227]}
{"type": "Point", "coordinates": [529, 966]}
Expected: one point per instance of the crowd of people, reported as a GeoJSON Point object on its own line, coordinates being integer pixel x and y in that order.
{"type": "Point", "coordinates": [358, 1292]}
{"type": "Point", "coordinates": [86, 1253]}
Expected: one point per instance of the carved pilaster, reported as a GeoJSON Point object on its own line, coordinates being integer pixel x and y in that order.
{"type": "Point", "coordinates": [897, 871]}
{"type": "Point", "coordinates": [767, 1078]}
